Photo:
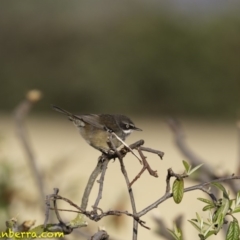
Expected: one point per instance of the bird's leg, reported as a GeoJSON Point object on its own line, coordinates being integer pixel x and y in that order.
{"type": "Point", "coordinates": [106, 154]}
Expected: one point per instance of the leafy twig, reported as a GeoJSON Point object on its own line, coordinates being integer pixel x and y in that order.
{"type": "Point", "coordinates": [201, 187]}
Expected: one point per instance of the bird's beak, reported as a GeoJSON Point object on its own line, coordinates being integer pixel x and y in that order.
{"type": "Point", "coordinates": [137, 129]}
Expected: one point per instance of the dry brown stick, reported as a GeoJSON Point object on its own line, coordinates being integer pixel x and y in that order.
{"type": "Point", "coordinates": [145, 166]}
{"type": "Point", "coordinates": [98, 170]}
{"type": "Point", "coordinates": [132, 200]}
{"type": "Point", "coordinates": [131, 196]}
{"type": "Point", "coordinates": [138, 175]}
{"type": "Point", "coordinates": [159, 153]}
{"type": "Point", "coordinates": [101, 181]}
{"type": "Point", "coordinates": [20, 114]}
{"type": "Point", "coordinates": [90, 183]}
{"type": "Point", "coordinates": [151, 172]}
{"type": "Point", "coordinates": [93, 215]}
{"type": "Point", "coordinates": [58, 197]}
{"type": "Point", "coordinates": [56, 191]}
{"type": "Point", "coordinates": [48, 207]}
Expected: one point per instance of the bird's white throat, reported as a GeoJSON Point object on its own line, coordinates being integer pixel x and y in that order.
{"type": "Point", "coordinates": [127, 132]}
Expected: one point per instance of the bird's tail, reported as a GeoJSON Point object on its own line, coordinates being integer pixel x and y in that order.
{"type": "Point", "coordinates": [65, 112]}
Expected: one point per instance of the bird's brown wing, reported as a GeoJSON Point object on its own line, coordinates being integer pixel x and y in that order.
{"type": "Point", "coordinates": [92, 119]}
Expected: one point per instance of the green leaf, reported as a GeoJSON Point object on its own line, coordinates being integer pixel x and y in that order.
{"type": "Point", "coordinates": [201, 237]}
{"type": "Point", "coordinates": [238, 198]}
{"type": "Point", "coordinates": [231, 203]}
{"type": "Point", "coordinates": [195, 169]}
{"type": "Point", "coordinates": [198, 217]}
{"type": "Point", "coordinates": [226, 205]}
{"type": "Point", "coordinates": [187, 166]}
{"type": "Point", "coordinates": [193, 222]}
{"type": "Point", "coordinates": [220, 220]}
{"type": "Point", "coordinates": [173, 234]}
{"type": "Point", "coordinates": [205, 200]}
{"type": "Point", "coordinates": [222, 188]}
{"type": "Point", "coordinates": [209, 234]}
{"type": "Point", "coordinates": [177, 189]}
{"type": "Point", "coordinates": [233, 231]}
{"type": "Point", "coordinates": [221, 213]}
{"type": "Point", "coordinates": [207, 207]}
{"type": "Point", "coordinates": [176, 232]}
{"type": "Point", "coordinates": [236, 209]}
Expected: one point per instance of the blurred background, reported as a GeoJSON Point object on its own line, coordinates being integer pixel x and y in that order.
{"type": "Point", "coordinates": [146, 59]}
{"type": "Point", "coordinates": [174, 57]}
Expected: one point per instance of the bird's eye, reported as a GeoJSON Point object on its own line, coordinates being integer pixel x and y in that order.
{"type": "Point", "coordinates": [127, 126]}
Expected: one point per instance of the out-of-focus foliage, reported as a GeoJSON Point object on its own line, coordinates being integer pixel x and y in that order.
{"type": "Point", "coordinates": [6, 190]}
{"type": "Point", "coordinates": [118, 57]}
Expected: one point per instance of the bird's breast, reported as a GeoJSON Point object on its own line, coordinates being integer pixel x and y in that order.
{"type": "Point", "coordinates": [98, 138]}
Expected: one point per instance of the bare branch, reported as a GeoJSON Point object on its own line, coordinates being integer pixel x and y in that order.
{"type": "Point", "coordinates": [91, 181]}
{"type": "Point", "coordinates": [159, 153]}
{"type": "Point", "coordinates": [145, 166]}
{"type": "Point", "coordinates": [101, 181]}
{"type": "Point", "coordinates": [131, 196]}
{"type": "Point", "coordinates": [93, 215]}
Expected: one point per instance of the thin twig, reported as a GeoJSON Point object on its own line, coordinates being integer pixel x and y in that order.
{"type": "Point", "coordinates": [170, 174]}
{"type": "Point", "coordinates": [48, 205]}
{"type": "Point", "coordinates": [93, 215]}
{"type": "Point", "coordinates": [137, 176]}
{"type": "Point", "coordinates": [66, 210]}
{"type": "Point", "coordinates": [145, 166]}
{"type": "Point", "coordinates": [60, 226]}
{"type": "Point", "coordinates": [130, 191]}
{"type": "Point", "coordinates": [101, 181]}
{"type": "Point", "coordinates": [56, 191]}
{"type": "Point", "coordinates": [159, 153]}
{"type": "Point", "coordinates": [89, 186]}
{"type": "Point", "coordinates": [131, 196]}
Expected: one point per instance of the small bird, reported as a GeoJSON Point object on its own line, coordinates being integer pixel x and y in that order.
{"type": "Point", "coordinates": [96, 128]}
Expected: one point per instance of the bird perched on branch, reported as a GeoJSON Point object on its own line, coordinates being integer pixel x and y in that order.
{"type": "Point", "coordinates": [97, 128]}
